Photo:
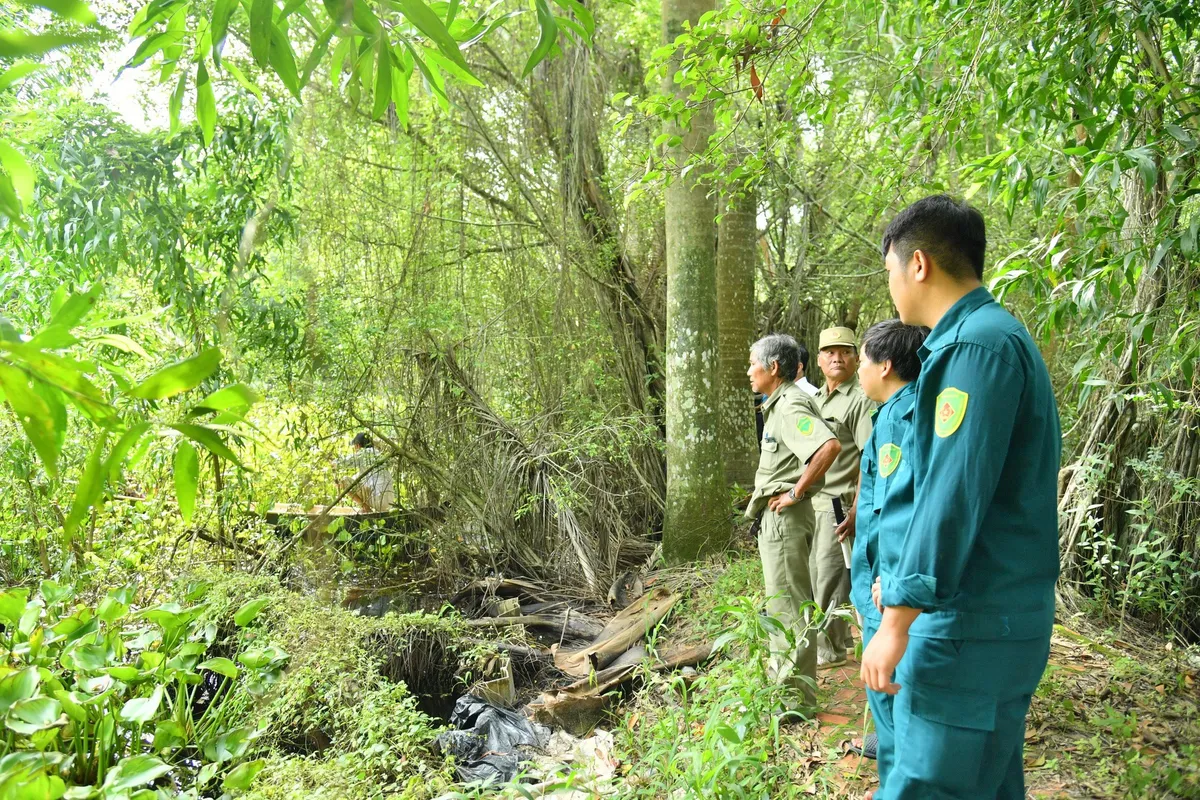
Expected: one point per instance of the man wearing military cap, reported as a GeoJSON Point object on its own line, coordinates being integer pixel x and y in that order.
{"type": "Point", "coordinates": [847, 411]}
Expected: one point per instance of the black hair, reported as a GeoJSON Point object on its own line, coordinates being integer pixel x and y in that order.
{"type": "Point", "coordinates": [892, 340]}
{"type": "Point", "coordinates": [803, 357]}
{"type": "Point", "coordinates": [362, 440]}
{"type": "Point", "coordinates": [952, 232]}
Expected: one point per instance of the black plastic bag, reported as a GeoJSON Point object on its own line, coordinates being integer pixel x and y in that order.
{"type": "Point", "coordinates": [487, 745]}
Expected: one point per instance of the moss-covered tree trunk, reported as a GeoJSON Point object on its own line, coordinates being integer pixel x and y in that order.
{"type": "Point", "coordinates": [697, 513]}
{"type": "Point", "coordinates": [737, 258]}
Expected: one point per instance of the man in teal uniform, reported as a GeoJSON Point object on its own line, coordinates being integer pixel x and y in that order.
{"type": "Point", "coordinates": [796, 451]}
{"type": "Point", "coordinates": [889, 366]}
{"type": "Point", "coordinates": [969, 606]}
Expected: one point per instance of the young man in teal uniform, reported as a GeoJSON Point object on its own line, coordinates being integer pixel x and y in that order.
{"type": "Point", "coordinates": [888, 368]}
{"type": "Point", "coordinates": [969, 606]}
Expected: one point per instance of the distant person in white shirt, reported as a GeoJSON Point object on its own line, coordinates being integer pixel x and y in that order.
{"type": "Point", "coordinates": [801, 380]}
{"type": "Point", "coordinates": [375, 492]}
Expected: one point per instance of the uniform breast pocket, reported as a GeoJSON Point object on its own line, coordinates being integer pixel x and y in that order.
{"type": "Point", "coordinates": [770, 446]}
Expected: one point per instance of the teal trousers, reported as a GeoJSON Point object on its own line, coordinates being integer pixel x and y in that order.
{"type": "Point", "coordinates": [881, 713]}
{"type": "Point", "coordinates": [958, 721]}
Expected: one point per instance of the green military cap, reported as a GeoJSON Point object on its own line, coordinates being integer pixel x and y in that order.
{"type": "Point", "coordinates": [832, 337]}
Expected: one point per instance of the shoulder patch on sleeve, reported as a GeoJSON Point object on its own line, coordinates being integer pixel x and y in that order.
{"type": "Point", "coordinates": [804, 424]}
{"type": "Point", "coordinates": [951, 408]}
{"type": "Point", "coordinates": [889, 459]}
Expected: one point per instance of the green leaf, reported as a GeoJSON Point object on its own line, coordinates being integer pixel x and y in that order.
{"type": "Point", "coordinates": [116, 457]}
{"type": "Point", "coordinates": [12, 605]}
{"type": "Point", "coordinates": [17, 72]}
{"type": "Point", "coordinates": [209, 439]}
{"type": "Point", "coordinates": [187, 476]}
{"type": "Point", "coordinates": [55, 593]}
{"type": "Point", "coordinates": [10, 204]}
{"type": "Point", "coordinates": [1181, 136]}
{"type": "Point", "coordinates": [34, 414]}
{"type": "Point", "coordinates": [400, 96]}
{"type": "Point", "coordinates": [317, 54]}
{"type": "Point", "coordinates": [175, 105]}
{"type": "Point", "coordinates": [149, 46]}
{"type": "Point", "coordinates": [141, 710]}
{"type": "Point", "coordinates": [134, 772]}
{"type": "Point", "coordinates": [221, 666]}
{"type": "Point", "coordinates": [35, 714]}
{"type": "Point", "coordinates": [492, 26]}
{"type": "Point", "coordinates": [235, 395]}
{"type": "Point", "coordinates": [261, 24]}
{"type": "Point", "coordinates": [243, 775]}
{"type": "Point", "coordinates": [246, 614]}
{"type": "Point", "coordinates": [88, 492]}
{"type": "Point", "coordinates": [364, 18]}
{"type": "Point", "coordinates": [111, 609]}
{"type": "Point", "coordinates": [229, 746]}
{"type": "Point", "coordinates": [122, 343]}
{"type": "Point", "coordinates": [240, 77]}
{"type": "Point", "coordinates": [71, 703]}
{"type": "Point", "coordinates": [449, 66]}
{"type": "Point", "coordinates": [547, 37]}
{"type": "Point", "coordinates": [421, 16]}
{"type": "Point", "coordinates": [71, 9]}
{"type": "Point", "coordinates": [383, 79]}
{"type": "Point", "coordinates": [178, 377]}
{"type": "Point", "coordinates": [76, 307]}
{"type": "Point", "coordinates": [18, 686]}
{"type": "Point", "coordinates": [222, 13]}
{"type": "Point", "coordinates": [283, 61]}
{"type": "Point", "coordinates": [18, 44]}
{"type": "Point", "coordinates": [582, 14]}
{"type": "Point", "coordinates": [19, 171]}
{"type": "Point", "coordinates": [206, 104]}
{"type": "Point", "coordinates": [123, 673]}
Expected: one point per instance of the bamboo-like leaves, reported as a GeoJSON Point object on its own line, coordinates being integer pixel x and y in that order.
{"type": "Point", "coordinates": [186, 469]}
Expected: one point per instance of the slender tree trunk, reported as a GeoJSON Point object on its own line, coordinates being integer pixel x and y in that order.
{"type": "Point", "coordinates": [1091, 496]}
{"type": "Point", "coordinates": [697, 513]}
{"type": "Point", "coordinates": [737, 260]}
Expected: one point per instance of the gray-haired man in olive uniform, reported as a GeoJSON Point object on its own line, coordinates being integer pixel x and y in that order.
{"type": "Point", "coordinates": [796, 450]}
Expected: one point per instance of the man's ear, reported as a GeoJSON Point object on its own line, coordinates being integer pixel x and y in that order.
{"type": "Point", "coordinates": [886, 369]}
{"type": "Point", "coordinates": [922, 266]}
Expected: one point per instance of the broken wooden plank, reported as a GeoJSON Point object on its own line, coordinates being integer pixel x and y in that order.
{"type": "Point", "coordinates": [624, 630]}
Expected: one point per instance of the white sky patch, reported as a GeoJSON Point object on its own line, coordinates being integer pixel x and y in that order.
{"type": "Point", "coordinates": [135, 95]}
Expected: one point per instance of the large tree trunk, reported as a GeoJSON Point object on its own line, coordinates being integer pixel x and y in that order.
{"type": "Point", "coordinates": [697, 512]}
{"type": "Point", "coordinates": [737, 259]}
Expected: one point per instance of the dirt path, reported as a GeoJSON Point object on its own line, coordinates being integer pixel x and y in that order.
{"type": "Point", "coordinates": [1111, 719]}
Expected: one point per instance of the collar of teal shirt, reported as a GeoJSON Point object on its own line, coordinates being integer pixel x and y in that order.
{"type": "Point", "coordinates": [947, 326]}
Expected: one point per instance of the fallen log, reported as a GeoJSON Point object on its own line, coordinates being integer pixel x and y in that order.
{"type": "Point", "coordinates": [578, 707]}
{"type": "Point", "coordinates": [624, 630]}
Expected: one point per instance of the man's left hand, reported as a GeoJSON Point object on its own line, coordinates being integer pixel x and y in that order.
{"type": "Point", "coordinates": [846, 528]}
{"type": "Point", "coordinates": [779, 502]}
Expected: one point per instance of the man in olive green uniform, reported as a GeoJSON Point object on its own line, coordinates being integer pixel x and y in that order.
{"type": "Point", "coordinates": [968, 603]}
{"type": "Point", "coordinates": [847, 411]}
{"type": "Point", "coordinates": [797, 449]}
